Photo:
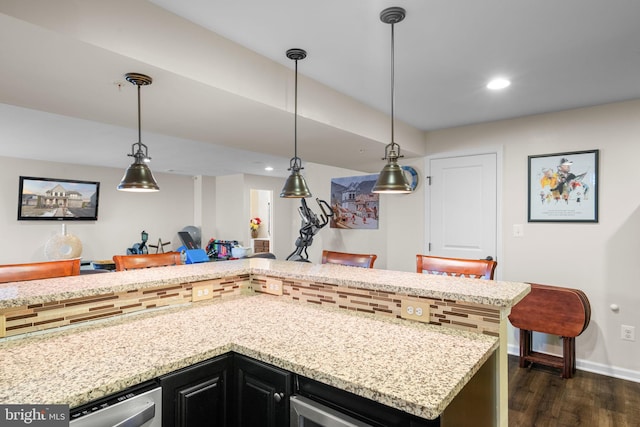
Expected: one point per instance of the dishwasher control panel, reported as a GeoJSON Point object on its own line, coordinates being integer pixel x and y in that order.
{"type": "Point", "coordinates": [141, 403]}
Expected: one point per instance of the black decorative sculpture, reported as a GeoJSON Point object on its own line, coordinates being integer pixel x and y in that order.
{"type": "Point", "coordinates": [310, 226]}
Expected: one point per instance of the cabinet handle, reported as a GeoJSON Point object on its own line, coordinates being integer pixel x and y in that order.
{"type": "Point", "coordinates": [278, 397]}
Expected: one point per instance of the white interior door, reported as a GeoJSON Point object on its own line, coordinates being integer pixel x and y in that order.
{"type": "Point", "coordinates": [462, 206]}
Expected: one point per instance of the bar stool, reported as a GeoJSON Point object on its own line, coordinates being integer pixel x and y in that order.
{"type": "Point", "coordinates": [39, 270]}
{"type": "Point", "coordinates": [459, 267]}
{"type": "Point", "coordinates": [353, 260]}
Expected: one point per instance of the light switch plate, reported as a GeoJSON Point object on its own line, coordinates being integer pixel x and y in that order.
{"type": "Point", "coordinates": [518, 230]}
{"type": "Point", "coordinates": [414, 310]}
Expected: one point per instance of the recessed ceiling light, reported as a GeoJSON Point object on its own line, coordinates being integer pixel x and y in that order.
{"type": "Point", "coordinates": [268, 168]}
{"type": "Point", "coordinates": [499, 83]}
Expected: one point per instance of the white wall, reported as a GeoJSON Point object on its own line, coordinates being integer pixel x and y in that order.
{"type": "Point", "coordinates": [209, 203]}
{"type": "Point", "coordinates": [318, 179]}
{"type": "Point", "coordinates": [121, 216]}
{"type": "Point", "coordinates": [406, 223]}
{"type": "Point", "coordinates": [401, 227]}
{"type": "Point", "coordinates": [601, 259]}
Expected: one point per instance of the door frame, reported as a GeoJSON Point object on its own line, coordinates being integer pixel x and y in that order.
{"type": "Point", "coordinates": [498, 151]}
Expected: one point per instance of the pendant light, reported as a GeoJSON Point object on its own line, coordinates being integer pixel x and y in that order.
{"type": "Point", "coordinates": [392, 178]}
{"type": "Point", "coordinates": [138, 176]}
{"type": "Point", "coordinates": [295, 186]}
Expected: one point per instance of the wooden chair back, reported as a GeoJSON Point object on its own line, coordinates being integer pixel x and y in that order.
{"type": "Point", "coordinates": [472, 268]}
{"type": "Point", "coordinates": [133, 262]}
{"type": "Point", "coordinates": [353, 260]}
{"type": "Point", "coordinates": [39, 270]}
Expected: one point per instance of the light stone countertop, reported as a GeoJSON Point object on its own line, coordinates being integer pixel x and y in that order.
{"type": "Point", "coordinates": [415, 367]}
{"type": "Point", "coordinates": [502, 294]}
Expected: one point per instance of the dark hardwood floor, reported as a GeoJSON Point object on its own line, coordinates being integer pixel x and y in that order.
{"type": "Point", "coordinates": [539, 397]}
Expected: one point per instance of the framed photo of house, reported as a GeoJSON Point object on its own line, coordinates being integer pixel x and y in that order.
{"type": "Point", "coordinates": [563, 187]}
{"type": "Point", "coordinates": [354, 205]}
{"type": "Point", "coordinates": [51, 199]}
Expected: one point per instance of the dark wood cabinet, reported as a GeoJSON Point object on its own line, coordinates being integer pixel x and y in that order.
{"type": "Point", "coordinates": [261, 394]}
{"type": "Point", "coordinates": [197, 396]}
{"type": "Point", "coordinates": [233, 390]}
{"type": "Point", "coordinates": [228, 391]}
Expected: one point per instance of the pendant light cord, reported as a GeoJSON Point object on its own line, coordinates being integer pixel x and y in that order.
{"type": "Point", "coordinates": [393, 97]}
{"type": "Point", "coordinates": [295, 115]}
{"type": "Point", "coordinates": [392, 16]}
{"type": "Point", "coordinates": [139, 119]}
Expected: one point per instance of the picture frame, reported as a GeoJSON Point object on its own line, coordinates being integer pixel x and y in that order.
{"type": "Point", "coordinates": [354, 205]}
{"type": "Point", "coordinates": [53, 199]}
{"type": "Point", "coordinates": [563, 187]}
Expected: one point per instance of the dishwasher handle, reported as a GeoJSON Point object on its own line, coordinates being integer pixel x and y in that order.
{"type": "Point", "coordinates": [139, 418]}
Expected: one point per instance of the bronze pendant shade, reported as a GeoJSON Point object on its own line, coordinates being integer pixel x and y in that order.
{"type": "Point", "coordinates": [392, 179]}
{"type": "Point", "coordinates": [295, 186]}
{"type": "Point", "coordinates": [138, 176]}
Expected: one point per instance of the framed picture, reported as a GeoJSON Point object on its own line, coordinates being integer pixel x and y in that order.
{"type": "Point", "coordinates": [354, 205]}
{"type": "Point", "coordinates": [53, 199]}
{"type": "Point", "coordinates": [563, 187]}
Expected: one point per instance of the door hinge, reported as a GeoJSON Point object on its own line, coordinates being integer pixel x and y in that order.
{"type": "Point", "coordinates": [429, 246]}
{"type": "Point", "coordinates": [428, 178]}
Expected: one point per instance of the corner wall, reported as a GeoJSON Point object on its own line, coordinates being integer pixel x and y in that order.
{"type": "Point", "coordinates": [602, 259]}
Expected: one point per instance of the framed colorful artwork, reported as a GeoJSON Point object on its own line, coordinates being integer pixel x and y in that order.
{"type": "Point", "coordinates": [563, 187]}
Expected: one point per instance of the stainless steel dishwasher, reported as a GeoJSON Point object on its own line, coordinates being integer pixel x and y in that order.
{"type": "Point", "coordinates": [138, 406]}
{"type": "Point", "coordinates": [308, 413]}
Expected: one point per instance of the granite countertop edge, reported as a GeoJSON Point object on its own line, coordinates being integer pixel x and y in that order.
{"type": "Point", "coordinates": [502, 294]}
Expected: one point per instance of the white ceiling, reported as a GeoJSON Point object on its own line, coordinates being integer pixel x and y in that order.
{"type": "Point", "coordinates": [62, 95]}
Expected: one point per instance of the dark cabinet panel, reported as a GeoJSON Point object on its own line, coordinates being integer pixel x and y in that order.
{"type": "Point", "coordinates": [197, 396]}
{"type": "Point", "coordinates": [261, 394]}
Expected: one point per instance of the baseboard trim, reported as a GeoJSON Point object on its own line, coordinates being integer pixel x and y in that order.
{"type": "Point", "coordinates": [596, 368]}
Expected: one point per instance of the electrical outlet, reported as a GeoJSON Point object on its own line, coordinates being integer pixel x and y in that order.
{"type": "Point", "coordinates": [273, 287]}
{"type": "Point", "coordinates": [628, 333]}
{"type": "Point", "coordinates": [414, 310]}
{"type": "Point", "coordinates": [202, 292]}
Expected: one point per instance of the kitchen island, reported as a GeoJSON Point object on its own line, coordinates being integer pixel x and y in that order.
{"type": "Point", "coordinates": [366, 349]}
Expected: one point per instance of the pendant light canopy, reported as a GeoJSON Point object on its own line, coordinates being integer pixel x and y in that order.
{"type": "Point", "coordinates": [392, 178]}
{"type": "Point", "coordinates": [295, 186]}
{"type": "Point", "coordinates": [138, 176]}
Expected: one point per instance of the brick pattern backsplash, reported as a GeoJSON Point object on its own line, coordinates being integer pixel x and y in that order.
{"type": "Point", "coordinates": [459, 315]}
{"type": "Point", "coordinates": [37, 317]}
{"type": "Point", "coordinates": [32, 318]}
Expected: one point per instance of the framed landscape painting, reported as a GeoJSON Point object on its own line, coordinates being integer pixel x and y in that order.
{"type": "Point", "coordinates": [354, 205]}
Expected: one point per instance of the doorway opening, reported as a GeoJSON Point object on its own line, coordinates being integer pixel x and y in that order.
{"type": "Point", "coordinates": [261, 209]}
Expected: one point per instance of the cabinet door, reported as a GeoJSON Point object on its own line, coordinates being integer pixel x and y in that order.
{"type": "Point", "coordinates": [261, 394]}
{"type": "Point", "coordinates": [197, 396]}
